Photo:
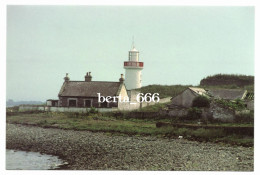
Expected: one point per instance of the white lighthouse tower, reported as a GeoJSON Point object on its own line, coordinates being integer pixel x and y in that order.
{"type": "Point", "coordinates": [133, 70]}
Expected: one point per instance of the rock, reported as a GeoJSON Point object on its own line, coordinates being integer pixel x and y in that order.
{"type": "Point", "coordinates": [84, 150]}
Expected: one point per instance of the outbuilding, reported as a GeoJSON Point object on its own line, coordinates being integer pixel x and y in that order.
{"type": "Point", "coordinates": [185, 98]}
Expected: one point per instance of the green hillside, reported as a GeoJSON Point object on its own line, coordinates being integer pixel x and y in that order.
{"type": "Point", "coordinates": [164, 90]}
{"type": "Point", "coordinates": [228, 81]}
{"type": "Point", "coordinates": [240, 81]}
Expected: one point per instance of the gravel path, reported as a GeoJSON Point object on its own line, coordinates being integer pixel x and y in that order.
{"type": "Point", "coordinates": [98, 151]}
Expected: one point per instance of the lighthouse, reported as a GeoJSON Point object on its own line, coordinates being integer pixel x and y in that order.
{"type": "Point", "coordinates": [133, 70]}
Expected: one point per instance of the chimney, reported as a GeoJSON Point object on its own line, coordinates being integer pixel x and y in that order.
{"type": "Point", "coordinates": [66, 78]}
{"type": "Point", "coordinates": [88, 77]}
{"type": "Point", "coordinates": [121, 80]}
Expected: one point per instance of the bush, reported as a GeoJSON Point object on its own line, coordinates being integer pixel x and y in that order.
{"type": "Point", "coordinates": [193, 114]}
{"type": "Point", "coordinates": [93, 110]}
{"type": "Point", "coordinates": [182, 132]}
{"type": "Point", "coordinates": [235, 105]}
{"type": "Point", "coordinates": [201, 101]}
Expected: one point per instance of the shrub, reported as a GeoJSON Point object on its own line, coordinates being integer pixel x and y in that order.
{"type": "Point", "coordinates": [93, 110]}
{"type": "Point", "coordinates": [201, 101]}
{"type": "Point", "coordinates": [193, 114]}
{"type": "Point", "coordinates": [182, 131]}
{"type": "Point", "coordinates": [240, 104]}
{"type": "Point", "coordinates": [235, 105]}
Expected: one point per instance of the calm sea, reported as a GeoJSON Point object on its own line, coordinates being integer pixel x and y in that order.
{"type": "Point", "coordinates": [22, 160]}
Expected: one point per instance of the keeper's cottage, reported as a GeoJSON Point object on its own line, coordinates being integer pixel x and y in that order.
{"type": "Point", "coordinates": [85, 93]}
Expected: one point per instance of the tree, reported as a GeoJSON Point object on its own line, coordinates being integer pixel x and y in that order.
{"type": "Point", "coordinates": [201, 101]}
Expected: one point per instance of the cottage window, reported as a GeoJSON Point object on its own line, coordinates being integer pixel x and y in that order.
{"type": "Point", "coordinates": [88, 103]}
{"type": "Point", "coordinates": [54, 103]}
{"type": "Point", "coordinates": [72, 103]}
{"type": "Point", "coordinates": [104, 104]}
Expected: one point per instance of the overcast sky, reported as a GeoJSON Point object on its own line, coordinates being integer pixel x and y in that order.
{"type": "Point", "coordinates": [178, 45]}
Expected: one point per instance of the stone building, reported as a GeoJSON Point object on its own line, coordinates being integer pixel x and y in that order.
{"type": "Point", "coordinates": [185, 98]}
{"type": "Point", "coordinates": [183, 101]}
{"type": "Point", "coordinates": [85, 93]}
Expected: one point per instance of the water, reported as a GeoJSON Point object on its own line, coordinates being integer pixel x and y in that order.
{"type": "Point", "coordinates": [22, 160]}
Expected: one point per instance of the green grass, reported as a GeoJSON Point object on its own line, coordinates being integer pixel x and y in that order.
{"type": "Point", "coordinates": [164, 90]}
{"type": "Point", "coordinates": [91, 123]}
{"type": "Point", "coordinates": [236, 105]}
{"type": "Point", "coordinates": [113, 125]}
{"type": "Point", "coordinates": [153, 108]}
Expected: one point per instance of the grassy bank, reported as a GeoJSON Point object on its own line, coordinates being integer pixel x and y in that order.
{"type": "Point", "coordinates": [116, 125]}
{"type": "Point", "coordinates": [164, 90]}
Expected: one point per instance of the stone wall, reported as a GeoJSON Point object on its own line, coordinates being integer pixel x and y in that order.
{"type": "Point", "coordinates": [222, 114]}
{"type": "Point", "coordinates": [32, 108]}
{"type": "Point", "coordinates": [214, 112]}
{"type": "Point", "coordinates": [133, 105]}
{"type": "Point", "coordinates": [127, 106]}
{"type": "Point", "coordinates": [163, 100]}
{"type": "Point", "coordinates": [178, 112]}
{"type": "Point", "coordinates": [62, 109]}
{"type": "Point", "coordinates": [250, 104]}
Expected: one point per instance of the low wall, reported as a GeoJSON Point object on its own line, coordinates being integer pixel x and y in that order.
{"type": "Point", "coordinates": [62, 109]}
{"type": "Point", "coordinates": [242, 112]}
{"type": "Point", "coordinates": [250, 105]}
{"type": "Point", "coordinates": [215, 112]}
{"type": "Point", "coordinates": [178, 112]}
{"type": "Point", "coordinates": [128, 106]}
{"type": "Point", "coordinates": [222, 114]}
{"type": "Point", "coordinates": [163, 100]}
{"type": "Point", "coordinates": [241, 130]}
{"type": "Point", "coordinates": [121, 107]}
{"type": "Point", "coordinates": [32, 108]}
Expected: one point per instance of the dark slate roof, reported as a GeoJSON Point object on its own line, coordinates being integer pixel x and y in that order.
{"type": "Point", "coordinates": [89, 89]}
{"type": "Point", "coordinates": [228, 94]}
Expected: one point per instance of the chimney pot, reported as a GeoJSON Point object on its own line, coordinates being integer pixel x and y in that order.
{"type": "Point", "coordinates": [88, 77]}
{"type": "Point", "coordinates": [122, 78]}
{"type": "Point", "coordinates": [67, 78]}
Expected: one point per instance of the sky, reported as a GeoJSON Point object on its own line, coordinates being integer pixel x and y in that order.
{"type": "Point", "coordinates": [178, 45]}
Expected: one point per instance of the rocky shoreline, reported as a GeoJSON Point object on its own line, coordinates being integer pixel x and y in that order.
{"type": "Point", "coordinates": [84, 150]}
